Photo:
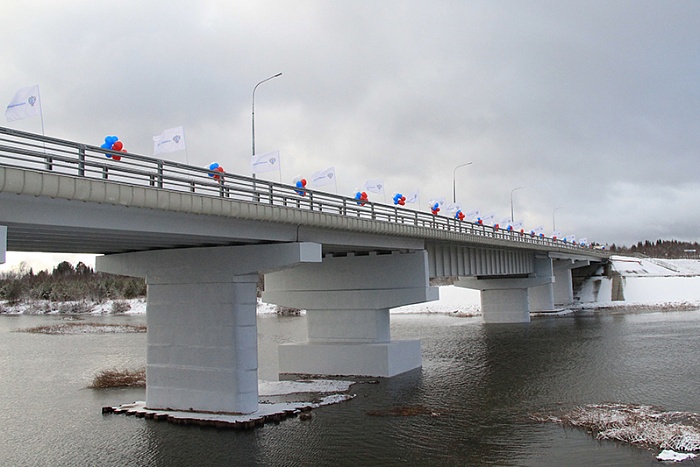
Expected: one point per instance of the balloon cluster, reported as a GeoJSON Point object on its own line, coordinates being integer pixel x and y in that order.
{"type": "Point", "coordinates": [496, 226]}
{"type": "Point", "coordinates": [399, 199]}
{"type": "Point", "coordinates": [435, 208]}
{"type": "Point", "coordinates": [113, 143]}
{"type": "Point", "coordinates": [361, 198]}
{"type": "Point", "coordinates": [216, 171]}
{"type": "Point", "coordinates": [479, 221]}
{"type": "Point", "coordinates": [459, 215]}
{"type": "Point", "coordinates": [300, 183]}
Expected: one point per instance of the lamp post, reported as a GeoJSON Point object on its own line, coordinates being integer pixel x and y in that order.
{"type": "Point", "coordinates": [512, 219]}
{"type": "Point", "coordinates": [554, 225]}
{"type": "Point", "coordinates": [454, 175]}
{"type": "Point", "coordinates": [253, 108]}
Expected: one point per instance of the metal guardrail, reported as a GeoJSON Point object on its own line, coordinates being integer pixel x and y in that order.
{"type": "Point", "coordinates": [36, 152]}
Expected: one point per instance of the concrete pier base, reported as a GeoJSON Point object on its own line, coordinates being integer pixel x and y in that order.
{"type": "Point", "coordinates": [201, 313]}
{"type": "Point", "coordinates": [347, 300]}
{"type": "Point", "coordinates": [504, 300]}
{"type": "Point", "coordinates": [384, 359]}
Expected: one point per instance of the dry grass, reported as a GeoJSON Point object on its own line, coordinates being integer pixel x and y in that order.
{"type": "Point", "coordinates": [116, 378]}
{"type": "Point", "coordinates": [635, 424]}
{"type": "Point", "coordinates": [85, 328]}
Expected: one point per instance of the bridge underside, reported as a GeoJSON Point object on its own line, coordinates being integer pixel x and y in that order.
{"type": "Point", "coordinates": [513, 283]}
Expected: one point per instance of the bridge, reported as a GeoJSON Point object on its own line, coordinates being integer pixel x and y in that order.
{"type": "Point", "coordinates": [201, 240]}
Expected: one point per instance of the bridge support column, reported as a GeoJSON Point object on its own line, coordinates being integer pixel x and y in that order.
{"type": "Point", "coordinates": [563, 285]}
{"type": "Point", "coordinates": [542, 297]}
{"type": "Point", "coordinates": [504, 300]}
{"type": "Point", "coordinates": [3, 244]}
{"type": "Point", "coordinates": [347, 300]}
{"type": "Point", "coordinates": [201, 313]}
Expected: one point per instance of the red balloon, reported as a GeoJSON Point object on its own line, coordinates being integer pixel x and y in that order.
{"type": "Point", "coordinates": [303, 182]}
{"type": "Point", "coordinates": [117, 146]}
{"type": "Point", "coordinates": [117, 158]}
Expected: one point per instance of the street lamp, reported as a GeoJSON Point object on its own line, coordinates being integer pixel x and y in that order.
{"type": "Point", "coordinates": [511, 202]}
{"type": "Point", "coordinates": [554, 225]}
{"type": "Point", "coordinates": [253, 108]}
{"type": "Point", "coordinates": [454, 174]}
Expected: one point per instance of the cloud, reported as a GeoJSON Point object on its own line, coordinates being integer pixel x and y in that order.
{"type": "Point", "coordinates": [590, 105]}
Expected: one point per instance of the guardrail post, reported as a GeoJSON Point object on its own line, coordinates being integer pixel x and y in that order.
{"type": "Point", "coordinates": [160, 174]}
{"type": "Point", "coordinates": [81, 160]}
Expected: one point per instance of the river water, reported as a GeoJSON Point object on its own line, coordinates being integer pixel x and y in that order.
{"type": "Point", "coordinates": [470, 402]}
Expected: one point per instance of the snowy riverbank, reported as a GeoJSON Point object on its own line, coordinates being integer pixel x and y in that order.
{"type": "Point", "coordinates": [645, 284]}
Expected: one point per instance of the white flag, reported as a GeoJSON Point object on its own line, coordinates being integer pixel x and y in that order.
{"type": "Point", "coordinates": [412, 197]}
{"type": "Point", "coordinates": [537, 231]}
{"type": "Point", "coordinates": [452, 207]}
{"type": "Point", "coordinates": [324, 177]}
{"type": "Point", "coordinates": [170, 140]}
{"type": "Point", "coordinates": [25, 104]}
{"type": "Point", "coordinates": [265, 162]}
{"type": "Point", "coordinates": [472, 215]}
{"type": "Point", "coordinates": [375, 186]}
{"type": "Point", "coordinates": [488, 219]}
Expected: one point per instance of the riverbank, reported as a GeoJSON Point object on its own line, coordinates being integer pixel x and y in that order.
{"type": "Point", "coordinates": [633, 284]}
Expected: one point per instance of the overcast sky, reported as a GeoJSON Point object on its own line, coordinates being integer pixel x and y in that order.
{"type": "Point", "coordinates": [592, 106]}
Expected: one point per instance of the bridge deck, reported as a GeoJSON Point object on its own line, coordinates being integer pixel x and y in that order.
{"type": "Point", "coordinates": [64, 196]}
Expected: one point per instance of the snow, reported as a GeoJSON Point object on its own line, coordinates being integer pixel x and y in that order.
{"type": "Point", "coordinates": [277, 388]}
{"type": "Point", "coordinates": [669, 455]}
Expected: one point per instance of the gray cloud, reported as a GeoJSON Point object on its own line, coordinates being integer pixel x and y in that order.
{"type": "Point", "coordinates": [592, 106]}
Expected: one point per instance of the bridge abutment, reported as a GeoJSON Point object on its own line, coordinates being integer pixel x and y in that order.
{"type": "Point", "coordinates": [201, 313]}
{"type": "Point", "coordinates": [347, 299]}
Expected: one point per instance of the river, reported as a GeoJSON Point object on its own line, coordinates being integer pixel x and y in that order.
{"type": "Point", "coordinates": [468, 405]}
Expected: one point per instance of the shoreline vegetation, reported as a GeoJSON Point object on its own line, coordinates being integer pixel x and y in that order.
{"type": "Point", "coordinates": [641, 425]}
{"type": "Point", "coordinates": [119, 378]}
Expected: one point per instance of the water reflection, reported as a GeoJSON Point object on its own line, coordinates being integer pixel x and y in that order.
{"type": "Point", "coordinates": [468, 405]}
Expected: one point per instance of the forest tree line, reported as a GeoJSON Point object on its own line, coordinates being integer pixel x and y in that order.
{"type": "Point", "coordinates": [68, 283]}
{"type": "Point", "coordinates": [660, 249]}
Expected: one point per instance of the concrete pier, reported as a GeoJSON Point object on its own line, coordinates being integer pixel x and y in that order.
{"type": "Point", "coordinates": [201, 314]}
{"type": "Point", "coordinates": [347, 299]}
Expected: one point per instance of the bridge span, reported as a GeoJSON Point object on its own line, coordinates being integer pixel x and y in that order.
{"type": "Point", "coordinates": [201, 239]}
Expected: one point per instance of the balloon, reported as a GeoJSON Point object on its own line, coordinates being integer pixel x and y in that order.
{"type": "Point", "coordinates": [117, 158]}
{"type": "Point", "coordinates": [361, 198]}
{"type": "Point", "coordinates": [117, 146]}
{"type": "Point", "coordinates": [496, 226]}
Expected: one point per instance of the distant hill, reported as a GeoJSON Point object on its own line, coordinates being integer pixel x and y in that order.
{"type": "Point", "coordinates": [660, 249]}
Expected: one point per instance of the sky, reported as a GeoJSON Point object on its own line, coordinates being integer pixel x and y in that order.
{"type": "Point", "coordinates": [585, 114]}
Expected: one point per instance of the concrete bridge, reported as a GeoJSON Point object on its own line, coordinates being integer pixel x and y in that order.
{"type": "Point", "coordinates": [201, 240]}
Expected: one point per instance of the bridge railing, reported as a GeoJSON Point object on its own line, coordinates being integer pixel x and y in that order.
{"type": "Point", "coordinates": [30, 151]}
